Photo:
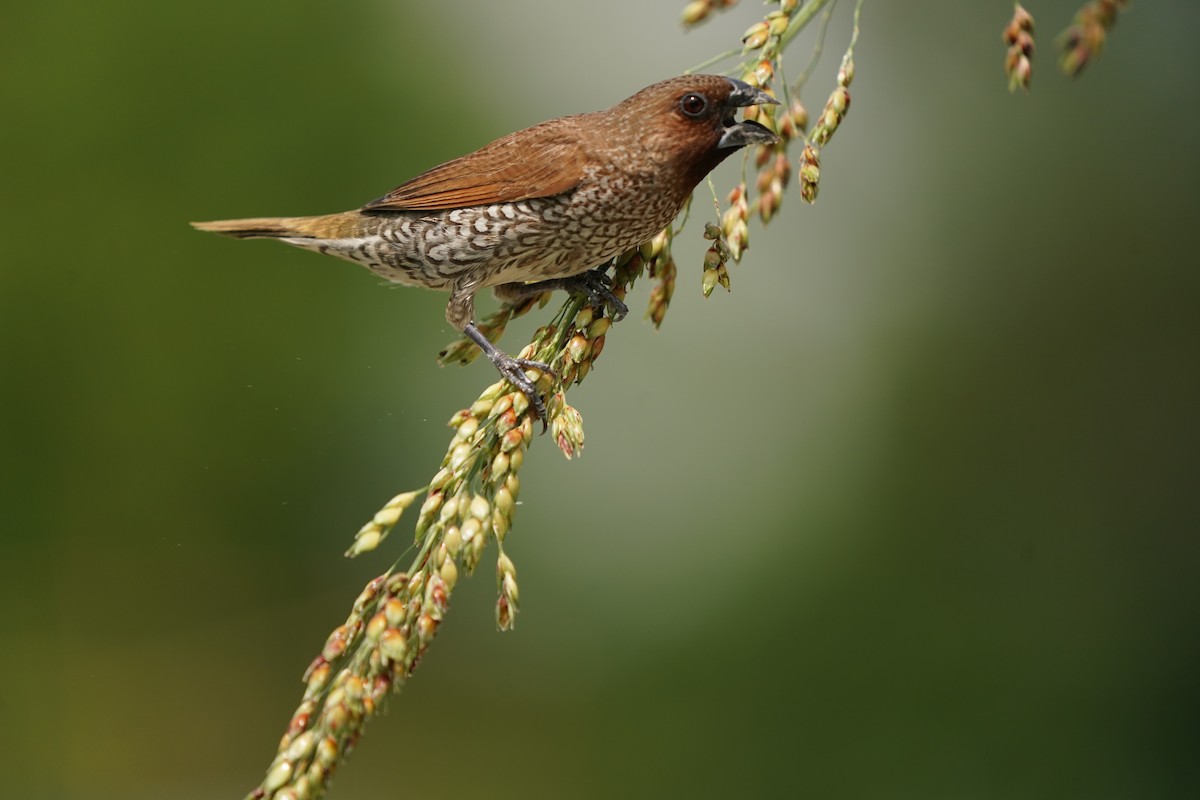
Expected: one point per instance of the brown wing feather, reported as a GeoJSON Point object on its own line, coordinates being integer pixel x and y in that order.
{"type": "Point", "coordinates": [541, 161]}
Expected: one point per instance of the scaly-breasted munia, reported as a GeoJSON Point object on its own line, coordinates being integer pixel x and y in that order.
{"type": "Point", "coordinates": [536, 209]}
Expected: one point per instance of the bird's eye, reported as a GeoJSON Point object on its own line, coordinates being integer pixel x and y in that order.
{"type": "Point", "coordinates": [693, 105]}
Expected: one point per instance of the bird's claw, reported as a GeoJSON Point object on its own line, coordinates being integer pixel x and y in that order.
{"type": "Point", "coordinates": [596, 286]}
{"type": "Point", "coordinates": [513, 370]}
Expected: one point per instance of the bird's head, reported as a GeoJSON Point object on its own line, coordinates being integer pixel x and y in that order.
{"type": "Point", "coordinates": [690, 122]}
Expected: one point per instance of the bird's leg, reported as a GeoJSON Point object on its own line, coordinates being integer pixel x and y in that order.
{"type": "Point", "coordinates": [512, 369]}
{"type": "Point", "coordinates": [594, 284]}
{"type": "Point", "coordinates": [460, 312]}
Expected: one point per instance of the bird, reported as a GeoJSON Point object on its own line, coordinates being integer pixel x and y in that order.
{"type": "Point", "coordinates": [540, 208]}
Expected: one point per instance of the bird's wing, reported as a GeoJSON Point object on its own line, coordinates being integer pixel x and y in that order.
{"type": "Point", "coordinates": [541, 161]}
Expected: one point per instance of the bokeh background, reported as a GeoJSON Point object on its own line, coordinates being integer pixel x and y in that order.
{"type": "Point", "coordinates": [911, 513]}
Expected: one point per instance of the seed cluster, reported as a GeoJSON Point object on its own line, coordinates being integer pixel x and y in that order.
{"type": "Point", "coordinates": [469, 503]}
{"type": "Point", "coordinates": [655, 256]}
{"type": "Point", "coordinates": [363, 660]}
{"type": "Point", "coordinates": [697, 11]}
{"type": "Point", "coordinates": [715, 259]}
{"type": "Point", "coordinates": [1018, 35]}
{"type": "Point", "coordinates": [762, 48]}
{"type": "Point", "coordinates": [772, 34]}
{"type": "Point", "coordinates": [1085, 38]}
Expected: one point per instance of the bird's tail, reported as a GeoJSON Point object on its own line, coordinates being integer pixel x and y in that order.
{"type": "Point", "coordinates": [327, 226]}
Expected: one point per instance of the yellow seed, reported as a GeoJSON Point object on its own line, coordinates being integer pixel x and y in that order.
{"type": "Point", "coordinates": [501, 405]}
{"type": "Point", "coordinates": [337, 716]}
{"type": "Point", "coordinates": [387, 516]}
{"type": "Point", "coordinates": [366, 541]}
{"type": "Point", "coordinates": [505, 503]}
{"type": "Point", "coordinates": [440, 479]}
{"type": "Point", "coordinates": [763, 73]}
{"type": "Point", "coordinates": [499, 524]}
{"type": "Point", "coordinates": [577, 348]}
{"type": "Point", "coordinates": [354, 687]}
{"type": "Point", "coordinates": [449, 573]}
{"type": "Point", "coordinates": [555, 404]}
{"type": "Point", "coordinates": [452, 540]}
{"type": "Point", "coordinates": [476, 553]}
{"type": "Point", "coordinates": [509, 584]}
{"type": "Point", "coordinates": [395, 613]}
{"type": "Point", "coordinates": [511, 440]}
{"type": "Point", "coordinates": [317, 680]}
{"type": "Point", "coordinates": [479, 507]}
{"type": "Point", "coordinates": [520, 403]}
{"type": "Point", "coordinates": [449, 510]}
{"type": "Point", "coordinates": [755, 36]}
{"type": "Point", "coordinates": [846, 73]}
{"type": "Point", "coordinates": [657, 244]}
{"type": "Point", "coordinates": [335, 645]}
{"type": "Point", "coordinates": [327, 751]}
{"type": "Point", "coordinates": [376, 626]}
{"type": "Point", "coordinates": [278, 776]}
{"type": "Point", "coordinates": [840, 100]}
{"type": "Point", "coordinates": [696, 11]}
{"type": "Point", "coordinates": [599, 327]}
{"type": "Point", "coordinates": [393, 645]}
{"type": "Point", "coordinates": [459, 456]}
{"type": "Point", "coordinates": [301, 789]}
{"type": "Point", "coordinates": [468, 428]}
{"type": "Point", "coordinates": [403, 500]}
{"type": "Point", "coordinates": [506, 421]}
{"type": "Point", "coordinates": [426, 628]}
{"type": "Point", "coordinates": [301, 746]}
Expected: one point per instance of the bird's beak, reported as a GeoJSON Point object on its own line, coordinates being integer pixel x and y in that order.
{"type": "Point", "coordinates": [746, 132]}
{"type": "Point", "coordinates": [744, 94]}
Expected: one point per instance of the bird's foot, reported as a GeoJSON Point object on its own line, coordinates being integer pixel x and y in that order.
{"type": "Point", "coordinates": [596, 286]}
{"type": "Point", "coordinates": [513, 370]}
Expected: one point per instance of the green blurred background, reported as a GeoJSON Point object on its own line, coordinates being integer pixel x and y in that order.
{"type": "Point", "coordinates": [910, 514]}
